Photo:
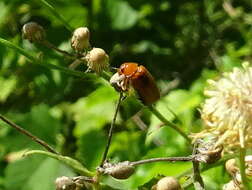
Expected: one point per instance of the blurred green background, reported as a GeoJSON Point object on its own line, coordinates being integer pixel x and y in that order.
{"type": "Point", "coordinates": [182, 43]}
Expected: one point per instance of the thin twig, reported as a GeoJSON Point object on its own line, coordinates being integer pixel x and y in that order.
{"type": "Point", "coordinates": [165, 121]}
{"type": "Point", "coordinates": [197, 179]}
{"type": "Point", "coordinates": [111, 130]}
{"type": "Point", "coordinates": [167, 159]}
{"type": "Point", "coordinates": [51, 46]}
{"type": "Point", "coordinates": [27, 133]}
{"type": "Point", "coordinates": [57, 15]}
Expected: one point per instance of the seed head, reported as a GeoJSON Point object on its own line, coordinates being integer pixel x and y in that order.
{"type": "Point", "coordinates": [227, 112]}
{"type": "Point", "coordinates": [97, 60]}
{"type": "Point", "coordinates": [80, 39]}
{"type": "Point", "coordinates": [33, 32]}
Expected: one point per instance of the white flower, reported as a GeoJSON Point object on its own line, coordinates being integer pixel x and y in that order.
{"type": "Point", "coordinates": [227, 112]}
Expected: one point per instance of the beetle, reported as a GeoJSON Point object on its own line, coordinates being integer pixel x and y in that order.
{"type": "Point", "coordinates": [141, 80]}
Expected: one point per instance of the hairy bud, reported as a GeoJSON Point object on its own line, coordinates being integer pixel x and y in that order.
{"type": "Point", "coordinates": [168, 183]}
{"type": "Point", "coordinates": [80, 39]}
{"type": "Point", "coordinates": [65, 183]}
{"type": "Point", "coordinates": [231, 167]}
{"type": "Point", "coordinates": [33, 32]}
{"type": "Point", "coordinates": [97, 60]}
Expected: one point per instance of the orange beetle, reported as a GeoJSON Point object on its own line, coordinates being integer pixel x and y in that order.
{"type": "Point", "coordinates": [141, 80]}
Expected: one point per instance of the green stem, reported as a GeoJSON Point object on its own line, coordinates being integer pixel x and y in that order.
{"type": "Point", "coordinates": [77, 166]}
{"type": "Point", "coordinates": [42, 63]}
{"type": "Point", "coordinates": [57, 15]}
{"type": "Point", "coordinates": [244, 179]}
{"type": "Point", "coordinates": [168, 123]}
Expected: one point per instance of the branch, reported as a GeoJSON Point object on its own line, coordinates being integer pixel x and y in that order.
{"type": "Point", "coordinates": [111, 130]}
{"type": "Point", "coordinates": [166, 159]}
{"type": "Point", "coordinates": [197, 179]}
{"type": "Point", "coordinates": [51, 46]}
{"type": "Point", "coordinates": [28, 134]}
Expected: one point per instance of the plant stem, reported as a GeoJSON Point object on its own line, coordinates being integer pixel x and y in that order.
{"type": "Point", "coordinates": [244, 179]}
{"type": "Point", "coordinates": [74, 164]}
{"type": "Point", "coordinates": [51, 46]}
{"type": "Point", "coordinates": [42, 63]}
{"type": "Point", "coordinates": [197, 179]}
{"type": "Point", "coordinates": [57, 15]}
{"type": "Point", "coordinates": [111, 130]}
{"type": "Point", "coordinates": [27, 133]}
{"type": "Point", "coordinates": [168, 123]}
{"type": "Point", "coordinates": [167, 159]}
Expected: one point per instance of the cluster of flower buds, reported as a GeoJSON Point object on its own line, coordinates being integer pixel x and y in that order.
{"type": "Point", "coordinates": [233, 169]}
{"type": "Point", "coordinates": [97, 60]}
{"type": "Point", "coordinates": [121, 170]}
{"type": "Point", "coordinates": [33, 32]}
{"type": "Point", "coordinates": [167, 183]}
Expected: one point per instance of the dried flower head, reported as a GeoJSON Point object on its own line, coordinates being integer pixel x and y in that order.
{"type": "Point", "coordinates": [97, 60]}
{"type": "Point", "coordinates": [80, 39]}
{"type": "Point", "coordinates": [227, 112]}
{"type": "Point", "coordinates": [33, 32]}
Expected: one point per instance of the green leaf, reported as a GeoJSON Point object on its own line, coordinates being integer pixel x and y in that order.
{"type": "Point", "coordinates": [35, 173]}
{"type": "Point", "coordinates": [94, 111]}
{"type": "Point", "coordinates": [122, 15]}
{"type": "Point", "coordinates": [90, 148]}
{"type": "Point", "coordinates": [7, 86]}
{"type": "Point", "coordinates": [39, 122]}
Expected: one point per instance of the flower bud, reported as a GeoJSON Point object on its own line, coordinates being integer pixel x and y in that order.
{"type": "Point", "coordinates": [80, 39]}
{"type": "Point", "coordinates": [97, 60]}
{"type": "Point", "coordinates": [33, 32]}
{"type": "Point", "coordinates": [65, 183]}
{"type": "Point", "coordinates": [122, 170]}
{"type": "Point", "coordinates": [168, 183]}
{"type": "Point", "coordinates": [231, 167]}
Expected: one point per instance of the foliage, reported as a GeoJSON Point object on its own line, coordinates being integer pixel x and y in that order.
{"type": "Point", "coordinates": [188, 41]}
